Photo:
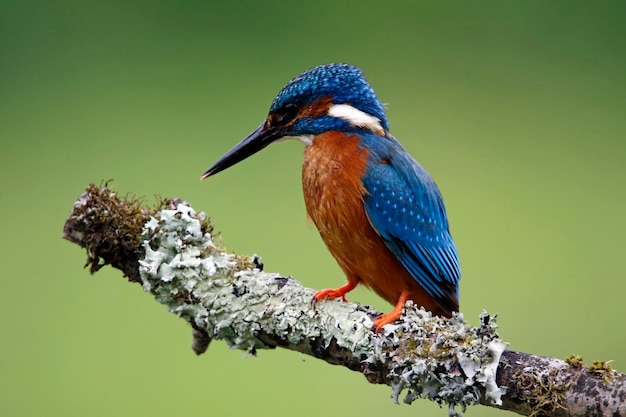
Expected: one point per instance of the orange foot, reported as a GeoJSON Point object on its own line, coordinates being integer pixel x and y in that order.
{"type": "Point", "coordinates": [394, 315]}
{"type": "Point", "coordinates": [330, 293]}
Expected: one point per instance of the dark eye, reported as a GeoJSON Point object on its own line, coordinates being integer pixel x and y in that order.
{"type": "Point", "coordinates": [286, 113]}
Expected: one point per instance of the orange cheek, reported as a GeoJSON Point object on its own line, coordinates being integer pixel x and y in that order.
{"type": "Point", "coordinates": [315, 109]}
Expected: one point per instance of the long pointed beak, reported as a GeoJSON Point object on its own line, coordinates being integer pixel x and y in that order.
{"type": "Point", "coordinates": [253, 143]}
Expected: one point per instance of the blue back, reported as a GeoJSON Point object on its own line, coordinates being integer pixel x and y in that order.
{"type": "Point", "coordinates": [405, 207]}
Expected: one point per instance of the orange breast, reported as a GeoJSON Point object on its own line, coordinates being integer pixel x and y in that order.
{"type": "Point", "coordinates": [333, 193]}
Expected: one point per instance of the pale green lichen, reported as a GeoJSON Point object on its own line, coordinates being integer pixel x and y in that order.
{"type": "Point", "coordinates": [428, 354]}
{"type": "Point", "coordinates": [444, 360]}
{"type": "Point", "coordinates": [233, 304]}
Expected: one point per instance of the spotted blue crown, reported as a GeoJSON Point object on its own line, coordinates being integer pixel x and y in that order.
{"type": "Point", "coordinates": [344, 83]}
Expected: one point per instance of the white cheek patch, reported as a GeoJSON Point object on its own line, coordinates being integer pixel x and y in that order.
{"type": "Point", "coordinates": [356, 117]}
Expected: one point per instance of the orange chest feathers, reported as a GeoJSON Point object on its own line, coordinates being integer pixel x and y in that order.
{"type": "Point", "coordinates": [333, 190]}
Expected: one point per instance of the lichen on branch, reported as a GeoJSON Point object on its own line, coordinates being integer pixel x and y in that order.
{"type": "Point", "coordinates": [229, 298]}
{"type": "Point", "coordinates": [172, 252]}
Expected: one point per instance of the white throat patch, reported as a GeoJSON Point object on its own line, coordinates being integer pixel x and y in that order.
{"type": "Point", "coordinates": [356, 117]}
{"type": "Point", "coordinates": [306, 139]}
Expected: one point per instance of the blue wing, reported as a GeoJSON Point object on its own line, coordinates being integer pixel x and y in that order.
{"type": "Point", "coordinates": [405, 207]}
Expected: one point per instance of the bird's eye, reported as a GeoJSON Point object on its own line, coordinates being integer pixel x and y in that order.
{"type": "Point", "coordinates": [286, 113]}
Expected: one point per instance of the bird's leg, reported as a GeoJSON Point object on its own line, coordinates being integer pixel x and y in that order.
{"type": "Point", "coordinates": [331, 293]}
{"type": "Point", "coordinates": [394, 315]}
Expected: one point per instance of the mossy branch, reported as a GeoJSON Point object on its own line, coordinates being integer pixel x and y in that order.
{"type": "Point", "coordinates": [171, 252]}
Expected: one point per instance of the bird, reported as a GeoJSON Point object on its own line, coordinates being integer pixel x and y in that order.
{"type": "Point", "coordinates": [378, 211]}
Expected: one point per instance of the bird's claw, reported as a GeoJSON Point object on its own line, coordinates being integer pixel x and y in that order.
{"type": "Point", "coordinates": [327, 294]}
{"type": "Point", "coordinates": [383, 320]}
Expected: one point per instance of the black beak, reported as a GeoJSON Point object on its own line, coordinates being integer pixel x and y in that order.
{"type": "Point", "coordinates": [255, 141]}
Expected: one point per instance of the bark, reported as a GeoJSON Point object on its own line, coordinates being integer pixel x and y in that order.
{"type": "Point", "coordinates": [171, 252]}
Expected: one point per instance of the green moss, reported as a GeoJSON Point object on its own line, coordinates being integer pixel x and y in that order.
{"type": "Point", "coordinates": [604, 370]}
{"type": "Point", "coordinates": [574, 360]}
{"type": "Point", "coordinates": [542, 392]}
{"type": "Point", "coordinates": [110, 227]}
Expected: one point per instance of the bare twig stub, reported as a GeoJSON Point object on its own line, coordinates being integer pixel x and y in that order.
{"type": "Point", "coordinates": [171, 252]}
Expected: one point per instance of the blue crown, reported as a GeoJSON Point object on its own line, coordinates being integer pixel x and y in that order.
{"type": "Point", "coordinates": [344, 83]}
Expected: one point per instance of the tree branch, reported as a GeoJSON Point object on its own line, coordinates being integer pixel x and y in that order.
{"type": "Point", "coordinates": [171, 252]}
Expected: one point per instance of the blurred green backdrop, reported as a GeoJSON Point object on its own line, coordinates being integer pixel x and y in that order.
{"type": "Point", "coordinates": [516, 108]}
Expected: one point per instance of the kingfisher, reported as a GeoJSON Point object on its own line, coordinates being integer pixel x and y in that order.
{"type": "Point", "coordinates": [378, 211]}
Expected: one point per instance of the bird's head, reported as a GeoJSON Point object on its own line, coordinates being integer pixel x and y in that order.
{"type": "Point", "coordinates": [323, 98]}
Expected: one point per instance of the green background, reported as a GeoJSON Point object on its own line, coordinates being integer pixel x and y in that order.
{"type": "Point", "coordinates": [517, 108]}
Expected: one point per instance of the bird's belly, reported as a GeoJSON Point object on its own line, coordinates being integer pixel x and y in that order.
{"type": "Point", "coordinates": [333, 192]}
